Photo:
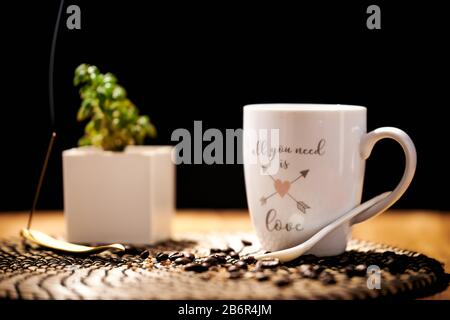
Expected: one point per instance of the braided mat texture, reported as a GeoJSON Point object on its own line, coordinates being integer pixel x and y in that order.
{"type": "Point", "coordinates": [29, 272]}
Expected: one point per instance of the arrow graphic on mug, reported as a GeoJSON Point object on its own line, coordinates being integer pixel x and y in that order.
{"type": "Point", "coordinates": [282, 189]}
{"type": "Point", "coordinates": [303, 174]}
{"type": "Point", "coordinates": [300, 204]}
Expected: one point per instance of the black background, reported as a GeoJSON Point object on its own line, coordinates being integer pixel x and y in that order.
{"type": "Point", "coordinates": [204, 60]}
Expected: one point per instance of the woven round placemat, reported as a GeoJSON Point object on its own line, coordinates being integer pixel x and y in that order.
{"type": "Point", "coordinates": [30, 272]}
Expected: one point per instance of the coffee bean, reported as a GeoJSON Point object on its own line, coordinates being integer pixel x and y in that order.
{"type": "Point", "coordinates": [260, 276]}
{"type": "Point", "coordinates": [233, 255]}
{"type": "Point", "coordinates": [318, 269]}
{"type": "Point", "coordinates": [310, 274]}
{"type": "Point", "coordinates": [246, 242]}
{"type": "Point", "coordinates": [268, 263]}
{"type": "Point", "coordinates": [388, 259]}
{"type": "Point", "coordinates": [388, 254]}
{"type": "Point", "coordinates": [307, 271]}
{"type": "Point", "coordinates": [133, 250]}
{"type": "Point", "coordinates": [350, 271]}
{"type": "Point", "coordinates": [327, 278]}
{"type": "Point", "coordinates": [361, 270]}
{"type": "Point", "coordinates": [195, 267]}
{"type": "Point", "coordinates": [211, 260]}
{"type": "Point", "coordinates": [175, 255]}
{"type": "Point", "coordinates": [355, 271]}
{"type": "Point", "coordinates": [220, 257]}
{"type": "Point", "coordinates": [343, 260]}
{"type": "Point", "coordinates": [395, 266]}
{"type": "Point", "coordinates": [161, 256]}
{"type": "Point", "coordinates": [144, 254]}
{"type": "Point", "coordinates": [215, 250]}
{"type": "Point", "coordinates": [249, 259]}
{"type": "Point", "coordinates": [121, 253]}
{"type": "Point", "coordinates": [241, 265]}
{"type": "Point", "coordinates": [189, 255]}
{"type": "Point", "coordinates": [182, 260]}
{"type": "Point", "coordinates": [282, 281]}
{"type": "Point", "coordinates": [308, 258]}
{"type": "Point", "coordinates": [206, 264]}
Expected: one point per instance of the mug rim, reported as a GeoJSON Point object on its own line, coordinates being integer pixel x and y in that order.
{"type": "Point", "coordinates": [295, 107]}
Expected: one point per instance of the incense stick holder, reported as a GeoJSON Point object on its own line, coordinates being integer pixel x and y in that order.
{"type": "Point", "coordinates": [126, 197]}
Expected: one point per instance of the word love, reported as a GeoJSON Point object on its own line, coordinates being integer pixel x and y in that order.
{"type": "Point", "coordinates": [273, 223]}
{"type": "Point", "coordinates": [262, 148]}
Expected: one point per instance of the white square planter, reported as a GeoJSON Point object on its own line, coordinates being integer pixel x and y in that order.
{"type": "Point", "coordinates": [125, 197]}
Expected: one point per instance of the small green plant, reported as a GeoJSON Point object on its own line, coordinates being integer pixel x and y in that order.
{"type": "Point", "coordinates": [114, 121]}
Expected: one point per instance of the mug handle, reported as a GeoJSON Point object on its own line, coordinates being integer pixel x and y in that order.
{"type": "Point", "coordinates": [367, 143]}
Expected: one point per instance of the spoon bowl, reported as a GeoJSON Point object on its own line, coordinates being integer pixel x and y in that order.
{"type": "Point", "coordinates": [49, 242]}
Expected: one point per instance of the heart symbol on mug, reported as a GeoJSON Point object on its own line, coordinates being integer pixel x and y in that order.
{"type": "Point", "coordinates": [282, 187]}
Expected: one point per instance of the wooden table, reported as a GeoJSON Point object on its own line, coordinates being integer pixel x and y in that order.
{"type": "Point", "coordinates": [427, 232]}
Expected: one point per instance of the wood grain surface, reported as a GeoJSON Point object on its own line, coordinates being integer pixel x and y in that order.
{"type": "Point", "coordinates": [427, 232]}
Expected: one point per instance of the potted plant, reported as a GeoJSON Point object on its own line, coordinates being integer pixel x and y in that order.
{"type": "Point", "coordinates": [115, 189]}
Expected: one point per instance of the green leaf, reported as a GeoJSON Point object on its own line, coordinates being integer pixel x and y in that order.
{"type": "Point", "coordinates": [97, 139]}
{"type": "Point", "coordinates": [85, 109]}
{"type": "Point", "coordinates": [143, 121]}
{"type": "Point", "coordinates": [84, 141]}
{"type": "Point", "coordinates": [81, 75]}
{"type": "Point", "coordinates": [109, 78]}
{"type": "Point", "coordinates": [151, 130]}
{"type": "Point", "coordinates": [93, 70]}
{"type": "Point", "coordinates": [108, 89]}
{"type": "Point", "coordinates": [147, 127]}
{"type": "Point", "coordinates": [90, 127]}
{"type": "Point", "coordinates": [119, 93]}
{"type": "Point", "coordinates": [82, 68]}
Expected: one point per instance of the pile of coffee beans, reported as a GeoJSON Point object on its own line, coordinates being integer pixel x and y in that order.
{"type": "Point", "coordinates": [227, 263]}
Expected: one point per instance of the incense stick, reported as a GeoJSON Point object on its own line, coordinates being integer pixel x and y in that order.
{"type": "Point", "coordinates": [46, 241]}
{"type": "Point", "coordinates": [41, 179]}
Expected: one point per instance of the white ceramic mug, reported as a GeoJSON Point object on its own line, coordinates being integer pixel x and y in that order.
{"type": "Point", "coordinates": [304, 167]}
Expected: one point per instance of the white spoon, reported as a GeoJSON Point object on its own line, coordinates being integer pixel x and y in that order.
{"type": "Point", "coordinates": [294, 252]}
